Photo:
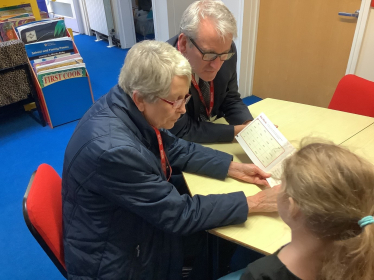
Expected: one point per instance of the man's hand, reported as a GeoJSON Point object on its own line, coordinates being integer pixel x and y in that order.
{"type": "Point", "coordinates": [238, 128]}
{"type": "Point", "coordinates": [249, 173]}
{"type": "Point", "coordinates": [264, 201]}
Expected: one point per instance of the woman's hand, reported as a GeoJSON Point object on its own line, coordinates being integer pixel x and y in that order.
{"type": "Point", "coordinates": [249, 173]}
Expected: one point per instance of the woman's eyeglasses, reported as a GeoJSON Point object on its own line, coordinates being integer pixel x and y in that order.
{"type": "Point", "coordinates": [212, 56]}
{"type": "Point", "coordinates": [178, 103]}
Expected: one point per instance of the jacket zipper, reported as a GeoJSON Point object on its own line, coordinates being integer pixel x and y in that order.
{"type": "Point", "coordinates": [137, 251]}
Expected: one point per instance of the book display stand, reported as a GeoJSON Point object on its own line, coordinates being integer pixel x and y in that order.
{"type": "Point", "coordinates": [65, 100]}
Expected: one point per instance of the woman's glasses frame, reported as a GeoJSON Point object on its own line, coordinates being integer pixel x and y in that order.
{"type": "Point", "coordinates": [178, 103]}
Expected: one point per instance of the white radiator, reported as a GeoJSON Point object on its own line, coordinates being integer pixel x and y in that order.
{"type": "Point", "coordinates": [113, 18]}
{"type": "Point", "coordinates": [100, 16]}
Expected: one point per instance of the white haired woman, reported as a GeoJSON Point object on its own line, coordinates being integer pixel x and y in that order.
{"type": "Point", "coordinates": [123, 218]}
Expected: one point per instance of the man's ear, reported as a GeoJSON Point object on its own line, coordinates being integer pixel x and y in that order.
{"type": "Point", "coordinates": [294, 209]}
{"type": "Point", "coordinates": [138, 100]}
{"type": "Point", "coordinates": [182, 43]}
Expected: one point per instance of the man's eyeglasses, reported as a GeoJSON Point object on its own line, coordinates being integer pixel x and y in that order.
{"type": "Point", "coordinates": [212, 56]}
{"type": "Point", "coordinates": [177, 104]}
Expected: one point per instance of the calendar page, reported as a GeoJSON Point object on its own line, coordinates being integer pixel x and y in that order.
{"type": "Point", "coordinates": [266, 146]}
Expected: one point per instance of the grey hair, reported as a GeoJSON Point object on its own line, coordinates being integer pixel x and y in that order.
{"type": "Point", "coordinates": [150, 67]}
{"type": "Point", "coordinates": [214, 10]}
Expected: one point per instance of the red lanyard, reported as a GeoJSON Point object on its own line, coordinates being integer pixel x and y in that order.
{"type": "Point", "coordinates": [162, 154]}
{"type": "Point", "coordinates": [208, 111]}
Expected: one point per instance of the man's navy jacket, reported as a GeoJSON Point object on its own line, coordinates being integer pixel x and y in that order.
{"type": "Point", "coordinates": [227, 104]}
{"type": "Point", "coordinates": [122, 218]}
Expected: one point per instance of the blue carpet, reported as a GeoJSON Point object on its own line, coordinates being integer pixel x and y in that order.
{"type": "Point", "coordinates": [24, 144]}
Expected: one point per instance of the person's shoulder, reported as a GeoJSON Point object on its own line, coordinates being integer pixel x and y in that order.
{"type": "Point", "coordinates": [268, 268]}
{"type": "Point", "coordinates": [173, 40]}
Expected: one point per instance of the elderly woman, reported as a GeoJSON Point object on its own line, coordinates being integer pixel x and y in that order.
{"type": "Point", "coordinates": [123, 218]}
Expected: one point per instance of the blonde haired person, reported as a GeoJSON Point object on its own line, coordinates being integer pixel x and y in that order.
{"type": "Point", "coordinates": [327, 199]}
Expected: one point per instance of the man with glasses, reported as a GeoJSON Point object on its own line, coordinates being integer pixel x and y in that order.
{"type": "Point", "coordinates": [206, 37]}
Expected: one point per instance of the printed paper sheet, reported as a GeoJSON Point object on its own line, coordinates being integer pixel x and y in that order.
{"type": "Point", "coordinates": [266, 146]}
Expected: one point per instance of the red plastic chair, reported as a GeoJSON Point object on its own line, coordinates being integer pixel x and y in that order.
{"type": "Point", "coordinates": [42, 210]}
{"type": "Point", "coordinates": [354, 95]}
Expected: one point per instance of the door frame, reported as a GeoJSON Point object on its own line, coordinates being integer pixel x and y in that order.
{"type": "Point", "coordinates": [358, 37]}
{"type": "Point", "coordinates": [160, 20]}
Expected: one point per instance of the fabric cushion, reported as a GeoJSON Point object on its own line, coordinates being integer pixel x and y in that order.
{"type": "Point", "coordinates": [44, 208]}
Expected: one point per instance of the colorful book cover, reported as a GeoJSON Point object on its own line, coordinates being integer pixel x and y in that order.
{"type": "Point", "coordinates": [6, 27]}
{"type": "Point", "coordinates": [58, 65]}
{"type": "Point", "coordinates": [49, 58]}
{"type": "Point", "coordinates": [53, 76]}
{"type": "Point", "coordinates": [42, 31]}
{"type": "Point", "coordinates": [4, 18]}
{"type": "Point", "coordinates": [19, 16]}
{"type": "Point", "coordinates": [76, 56]}
{"type": "Point", "coordinates": [49, 48]}
{"type": "Point", "coordinates": [18, 9]}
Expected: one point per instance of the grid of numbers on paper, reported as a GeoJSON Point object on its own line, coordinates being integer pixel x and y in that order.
{"type": "Point", "coordinates": [262, 143]}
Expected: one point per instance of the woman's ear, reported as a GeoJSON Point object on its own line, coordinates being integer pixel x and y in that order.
{"type": "Point", "coordinates": [182, 43]}
{"type": "Point", "coordinates": [294, 209]}
{"type": "Point", "coordinates": [138, 100]}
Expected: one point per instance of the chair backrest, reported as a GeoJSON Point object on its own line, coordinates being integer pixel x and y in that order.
{"type": "Point", "coordinates": [42, 210]}
{"type": "Point", "coordinates": [354, 95]}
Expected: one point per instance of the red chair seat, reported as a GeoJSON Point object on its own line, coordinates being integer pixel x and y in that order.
{"type": "Point", "coordinates": [42, 210]}
{"type": "Point", "coordinates": [354, 95]}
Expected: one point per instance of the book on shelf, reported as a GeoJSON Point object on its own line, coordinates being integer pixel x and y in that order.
{"type": "Point", "coordinates": [56, 63]}
{"type": "Point", "coordinates": [5, 18]}
{"type": "Point", "coordinates": [49, 58]}
{"type": "Point", "coordinates": [66, 92]}
{"type": "Point", "coordinates": [6, 12]}
{"type": "Point", "coordinates": [6, 26]}
{"type": "Point", "coordinates": [48, 48]}
{"type": "Point", "coordinates": [51, 76]}
{"type": "Point", "coordinates": [266, 147]}
{"type": "Point", "coordinates": [42, 30]}
{"type": "Point", "coordinates": [71, 56]}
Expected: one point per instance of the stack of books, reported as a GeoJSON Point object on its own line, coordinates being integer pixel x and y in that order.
{"type": "Point", "coordinates": [60, 73]}
{"type": "Point", "coordinates": [15, 16]}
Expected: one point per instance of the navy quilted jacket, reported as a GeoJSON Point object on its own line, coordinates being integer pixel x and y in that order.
{"type": "Point", "coordinates": [122, 218]}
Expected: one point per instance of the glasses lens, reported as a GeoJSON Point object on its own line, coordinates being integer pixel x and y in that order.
{"type": "Point", "coordinates": [209, 56]}
{"type": "Point", "coordinates": [227, 56]}
{"type": "Point", "coordinates": [177, 104]}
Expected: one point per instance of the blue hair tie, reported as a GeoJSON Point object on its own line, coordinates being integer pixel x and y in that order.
{"type": "Point", "coordinates": [366, 221]}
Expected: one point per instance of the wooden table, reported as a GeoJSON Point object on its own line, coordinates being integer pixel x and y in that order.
{"type": "Point", "coordinates": [266, 233]}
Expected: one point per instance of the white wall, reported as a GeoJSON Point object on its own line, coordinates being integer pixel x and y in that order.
{"type": "Point", "coordinates": [365, 64]}
{"type": "Point", "coordinates": [160, 20]}
{"type": "Point", "coordinates": [175, 10]}
{"type": "Point", "coordinates": [237, 8]}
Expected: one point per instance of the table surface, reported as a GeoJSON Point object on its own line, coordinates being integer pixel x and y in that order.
{"type": "Point", "coordinates": [263, 232]}
{"type": "Point", "coordinates": [362, 143]}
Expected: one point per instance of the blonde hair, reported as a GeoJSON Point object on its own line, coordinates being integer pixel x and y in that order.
{"type": "Point", "coordinates": [150, 67]}
{"type": "Point", "coordinates": [334, 189]}
{"type": "Point", "coordinates": [214, 10]}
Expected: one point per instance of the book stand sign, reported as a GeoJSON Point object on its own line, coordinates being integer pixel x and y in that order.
{"type": "Point", "coordinates": [65, 96]}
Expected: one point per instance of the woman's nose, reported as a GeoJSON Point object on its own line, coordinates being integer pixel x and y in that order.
{"type": "Point", "coordinates": [182, 109]}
